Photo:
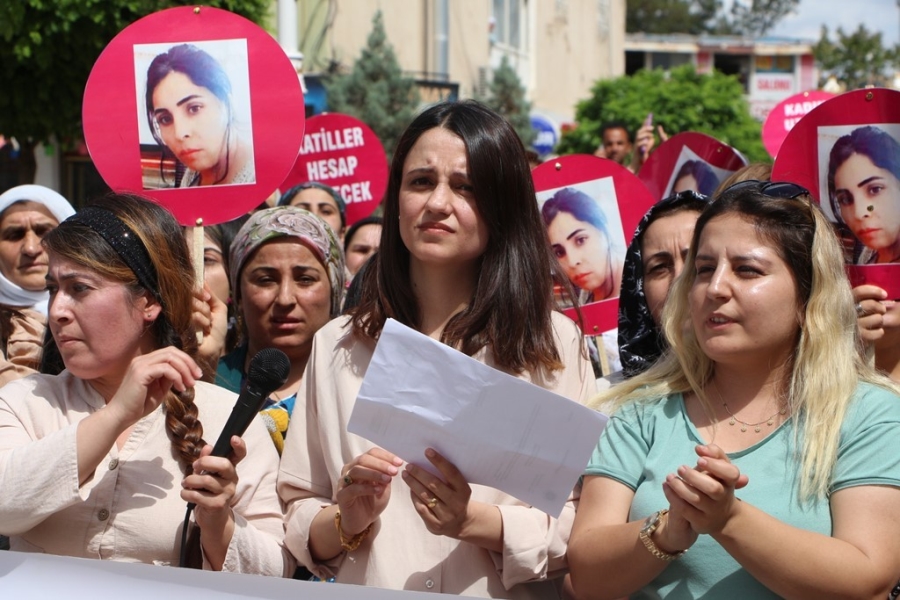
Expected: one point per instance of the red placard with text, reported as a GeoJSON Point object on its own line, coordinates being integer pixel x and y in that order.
{"type": "Point", "coordinates": [591, 207]}
{"type": "Point", "coordinates": [786, 114]}
{"type": "Point", "coordinates": [197, 108]}
{"type": "Point", "coordinates": [846, 152]}
{"type": "Point", "coordinates": [344, 153]}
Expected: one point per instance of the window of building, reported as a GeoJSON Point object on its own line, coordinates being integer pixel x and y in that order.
{"type": "Point", "coordinates": [734, 64]}
{"type": "Point", "coordinates": [510, 23]}
{"type": "Point", "coordinates": [774, 64]}
{"type": "Point", "coordinates": [669, 60]}
{"type": "Point", "coordinates": [634, 61]}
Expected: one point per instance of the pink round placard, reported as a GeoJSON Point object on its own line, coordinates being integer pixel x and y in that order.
{"type": "Point", "coordinates": [591, 207]}
{"type": "Point", "coordinates": [344, 153]}
{"type": "Point", "coordinates": [786, 114]}
{"type": "Point", "coordinates": [218, 130]}
{"type": "Point", "coordinates": [689, 160]}
{"type": "Point", "coordinates": [856, 138]}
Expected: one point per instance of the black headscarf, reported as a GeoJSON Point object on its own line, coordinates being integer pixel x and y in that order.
{"type": "Point", "coordinates": [640, 340]}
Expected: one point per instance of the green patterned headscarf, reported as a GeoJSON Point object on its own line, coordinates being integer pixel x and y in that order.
{"type": "Point", "coordinates": [290, 221]}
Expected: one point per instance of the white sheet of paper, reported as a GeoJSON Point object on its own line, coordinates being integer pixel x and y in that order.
{"type": "Point", "coordinates": [498, 430]}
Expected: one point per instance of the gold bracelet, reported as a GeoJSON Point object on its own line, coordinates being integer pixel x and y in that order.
{"type": "Point", "coordinates": [650, 525]}
{"type": "Point", "coordinates": [352, 543]}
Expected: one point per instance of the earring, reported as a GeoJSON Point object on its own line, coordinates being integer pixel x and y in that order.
{"type": "Point", "coordinates": [870, 207]}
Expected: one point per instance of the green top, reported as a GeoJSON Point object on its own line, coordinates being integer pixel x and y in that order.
{"type": "Point", "coordinates": [645, 442]}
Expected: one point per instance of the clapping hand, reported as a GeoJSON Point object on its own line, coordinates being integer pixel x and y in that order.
{"type": "Point", "coordinates": [704, 495]}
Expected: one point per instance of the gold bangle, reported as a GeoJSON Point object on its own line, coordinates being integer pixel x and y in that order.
{"type": "Point", "coordinates": [352, 543]}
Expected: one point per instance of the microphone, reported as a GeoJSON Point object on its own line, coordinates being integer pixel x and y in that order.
{"type": "Point", "coordinates": [268, 371]}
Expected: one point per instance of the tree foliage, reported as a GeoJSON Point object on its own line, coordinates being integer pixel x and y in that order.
{"type": "Point", "coordinates": [745, 17]}
{"type": "Point", "coordinates": [754, 18]}
{"type": "Point", "coordinates": [506, 96]}
{"type": "Point", "coordinates": [375, 91]}
{"type": "Point", "coordinates": [47, 50]}
{"type": "Point", "coordinates": [680, 100]}
{"type": "Point", "coordinates": [855, 59]}
{"type": "Point", "coordinates": [671, 16]}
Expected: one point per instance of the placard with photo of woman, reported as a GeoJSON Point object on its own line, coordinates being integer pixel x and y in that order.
{"type": "Point", "coordinates": [193, 103]}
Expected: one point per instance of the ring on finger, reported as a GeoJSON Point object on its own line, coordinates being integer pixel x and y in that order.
{"type": "Point", "coordinates": [860, 311]}
{"type": "Point", "coordinates": [348, 480]}
{"type": "Point", "coordinates": [432, 502]}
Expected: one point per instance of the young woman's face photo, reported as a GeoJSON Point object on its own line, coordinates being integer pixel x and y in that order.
{"type": "Point", "coordinates": [869, 201]}
{"type": "Point", "coordinates": [582, 250]}
{"type": "Point", "coordinates": [192, 121]}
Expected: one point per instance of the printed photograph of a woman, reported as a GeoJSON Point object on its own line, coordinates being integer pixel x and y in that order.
{"type": "Point", "coordinates": [585, 232]}
{"type": "Point", "coordinates": [194, 101]}
{"type": "Point", "coordinates": [863, 181]}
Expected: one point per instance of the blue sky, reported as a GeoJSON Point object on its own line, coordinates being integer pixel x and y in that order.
{"type": "Point", "coordinates": [876, 15]}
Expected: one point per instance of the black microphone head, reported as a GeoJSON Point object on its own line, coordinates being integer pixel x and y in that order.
{"type": "Point", "coordinates": [268, 370]}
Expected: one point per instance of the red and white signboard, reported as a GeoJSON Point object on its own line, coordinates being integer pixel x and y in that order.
{"type": "Point", "coordinates": [197, 108]}
{"type": "Point", "coordinates": [786, 114]}
{"type": "Point", "coordinates": [344, 153]}
{"type": "Point", "coordinates": [591, 207]}
{"type": "Point", "coordinates": [772, 86]}
{"type": "Point", "coordinates": [692, 161]}
{"type": "Point", "coordinates": [846, 152]}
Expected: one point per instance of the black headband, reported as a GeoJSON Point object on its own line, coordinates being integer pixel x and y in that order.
{"type": "Point", "coordinates": [124, 241]}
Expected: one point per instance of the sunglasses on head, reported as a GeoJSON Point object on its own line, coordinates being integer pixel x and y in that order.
{"type": "Point", "coordinates": [773, 189]}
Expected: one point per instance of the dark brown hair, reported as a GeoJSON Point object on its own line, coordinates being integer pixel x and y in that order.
{"type": "Point", "coordinates": [161, 235]}
{"type": "Point", "coordinates": [510, 311]}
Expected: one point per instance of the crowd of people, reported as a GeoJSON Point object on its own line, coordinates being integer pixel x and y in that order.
{"type": "Point", "coordinates": [748, 448]}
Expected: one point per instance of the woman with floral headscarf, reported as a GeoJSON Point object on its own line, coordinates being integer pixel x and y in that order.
{"type": "Point", "coordinates": [287, 278]}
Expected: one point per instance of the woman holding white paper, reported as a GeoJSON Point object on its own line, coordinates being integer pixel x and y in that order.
{"type": "Point", "coordinates": [464, 260]}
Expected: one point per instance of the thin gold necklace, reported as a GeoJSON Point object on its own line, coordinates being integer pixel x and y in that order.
{"type": "Point", "coordinates": [744, 424]}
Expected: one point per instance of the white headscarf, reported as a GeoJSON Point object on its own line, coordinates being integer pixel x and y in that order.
{"type": "Point", "coordinates": [10, 293]}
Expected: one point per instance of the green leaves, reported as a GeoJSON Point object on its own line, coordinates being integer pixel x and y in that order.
{"type": "Point", "coordinates": [47, 50]}
{"type": "Point", "coordinates": [696, 17]}
{"type": "Point", "coordinates": [855, 59]}
{"type": "Point", "coordinates": [680, 100]}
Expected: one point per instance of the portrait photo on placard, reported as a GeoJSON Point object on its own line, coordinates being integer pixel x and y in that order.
{"type": "Point", "coordinates": [859, 175]}
{"type": "Point", "coordinates": [693, 173]}
{"type": "Point", "coordinates": [585, 231]}
{"type": "Point", "coordinates": [194, 119]}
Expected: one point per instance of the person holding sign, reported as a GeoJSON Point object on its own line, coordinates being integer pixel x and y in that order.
{"type": "Point", "coordinates": [464, 260]}
{"type": "Point", "coordinates": [760, 437]}
{"type": "Point", "coordinates": [579, 235]}
{"type": "Point", "coordinates": [864, 190]}
{"type": "Point", "coordinates": [100, 461]}
{"type": "Point", "coordinates": [189, 109]}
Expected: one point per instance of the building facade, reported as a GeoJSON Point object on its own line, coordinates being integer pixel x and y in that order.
{"type": "Point", "coordinates": [770, 69]}
{"type": "Point", "coordinates": [559, 48]}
